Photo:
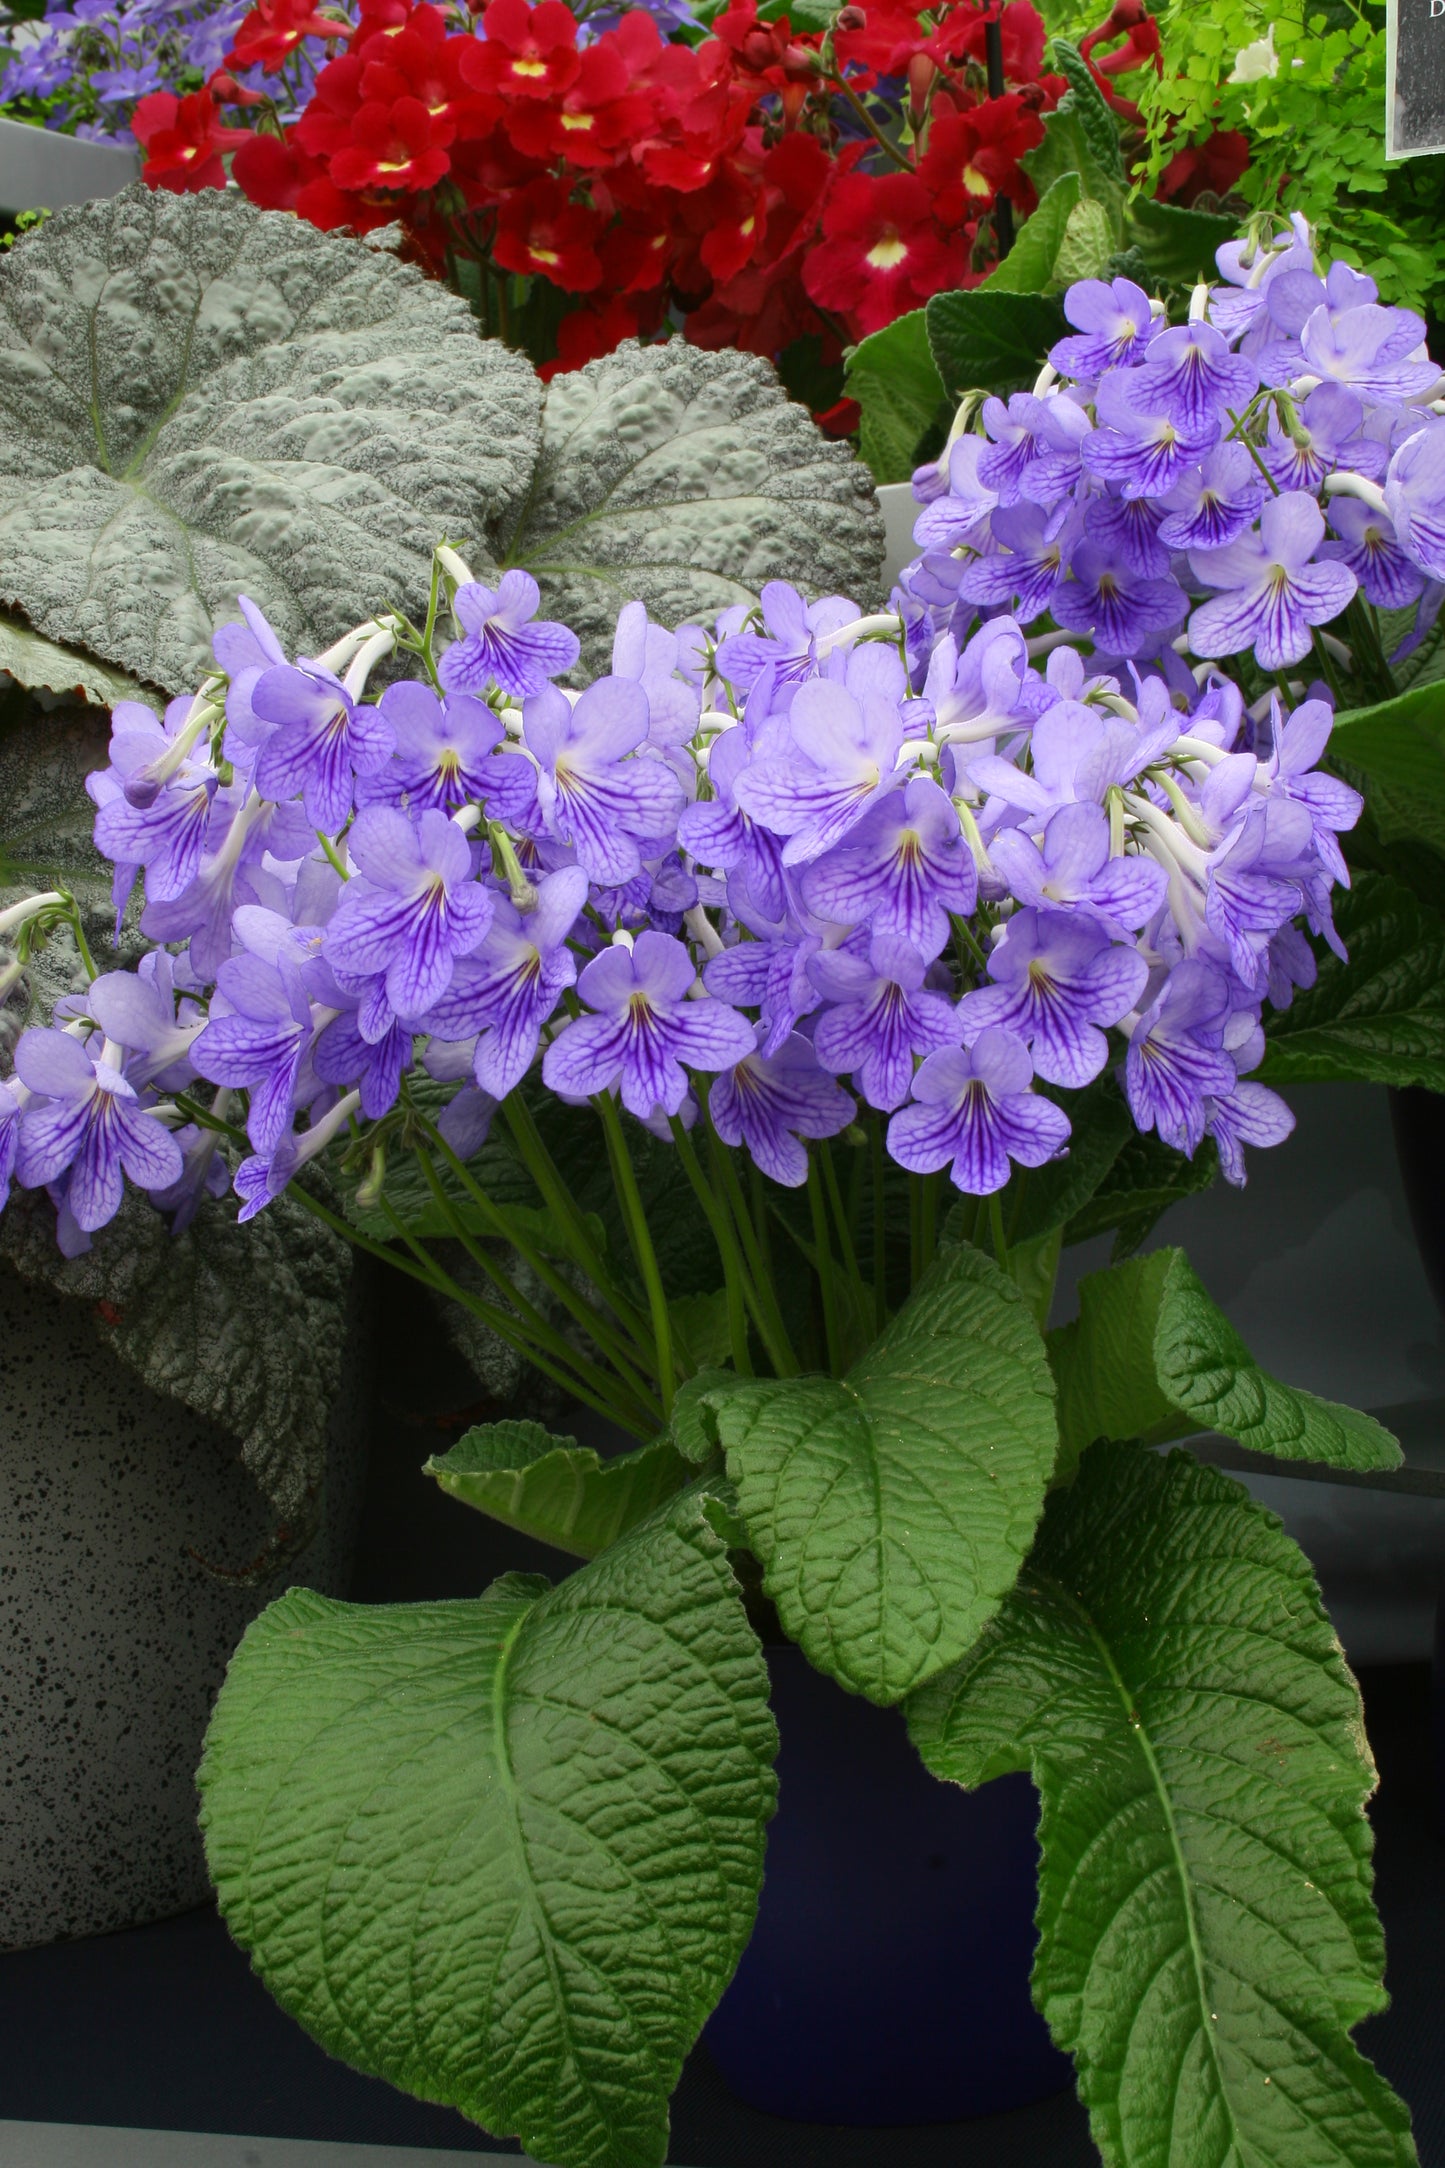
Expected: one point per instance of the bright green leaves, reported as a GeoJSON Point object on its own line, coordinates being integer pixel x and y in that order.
{"type": "Point", "coordinates": [1166, 1672]}
{"type": "Point", "coordinates": [1028, 268]}
{"type": "Point", "coordinates": [506, 1853]}
{"type": "Point", "coordinates": [891, 1510]}
{"type": "Point", "coordinates": [894, 377]}
{"type": "Point", "coordinates": [1381, 1016]}
{"type": "Point", "coordinates": [554, 1489]}
{"type": "Point", "coordinates": [1151, 1356]}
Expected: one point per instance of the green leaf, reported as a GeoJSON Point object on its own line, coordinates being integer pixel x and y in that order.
{"type": "Point", "coordinates": [701, 1325]}
{"type": "Point", "coordinates": [1084, 97]}
{"type": "Point", "coordinates": [1089, 245]}
{"type": "Point", "coordinates": [1145, 1178]}
{"type": "Point", "coordinates": [1152, 1356]}
{"type": "Point", "coordinates": [554, 1489]}
{"type": "Point", "coordinates": [1381, 1016]}
{"type": "Point", "coordinates": [35, 661]}
{"type": "Point", "coordinates": [891, 1510]}
{"type": "Point", "coordinates": [199, 398]}
{"type": "Point", "coordinates": [1165, 1672]}
{"type": "Point", "coordinates": [1028, 267]}
{"type": "Point", "coordinates": [893, 377]}
{"type": "Point", "coordinates": [1177, 245]}
{"type": "Point", "coordinates": [694, 1422]}
{"type": "Point", "coordinates": [1399, 748]}
{"type": "Point", "coordinates": [505, 1853]}
{"type": "Point", "coordinates": [686, 479]}
{"type": "Point", "coordinates": [996, 342]}
{"type": "Point", "coordinates": [1052, 1196]}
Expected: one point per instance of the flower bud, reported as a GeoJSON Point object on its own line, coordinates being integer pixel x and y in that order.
{"type": "Point", "coordinates": [852, 18]}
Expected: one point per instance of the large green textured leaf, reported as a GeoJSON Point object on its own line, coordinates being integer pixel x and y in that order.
{"type": "Point", "coordinates": [505, 1853]}
{"type": "Point", "coordinates": [893, 376]}
{"type": "Point", "coordinates": [686, 479]}
{"type": "Point", "coordinates": [1207, 1936]}
{"type": "Point", "coordinates": [985, 341]}
{"type": "Point", "coordinates": [555, 1489]}
{"type": "Point", "coordinates": [1084, 97]}
{"type": "Point", "coordinates": [45, 664]}
{"type": "Point", "coordinates": [891, 1509]}
{"type": "Point", "coordinates": [1144, 1179]}
{"type": "Point", "coordinates": [1151, 1356]}
{"type": "Point", "coordinates": [1177, 245]}
{"type": "Point", "coordinates": [1028, 267]}
{"type": "Point", "coordinates": [1399, 749]}
{"type": "Point", "coordinates": [1381, 1016]}
{"type": "Point", "coordinates": [197, 398]}
{"type": "Point", "coordinates": [46, 820]}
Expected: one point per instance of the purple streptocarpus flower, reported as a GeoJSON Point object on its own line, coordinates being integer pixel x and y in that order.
{"type": "Point", "coordinates": [987, 691]}
{"type": "Point", "coordinates": [1326, 433]}
{"type": "Point", "coordinates": [508, 987]}
{"type": "Point", "coordinates": [1250, 1114]}
{"type": "Point", "coordinates": [652, 656]}
{"type": "Point", "coordinates": [321, 741]}
{"type": "Point", "coordinates": [1211, 505]}
{"type": "Point", "coordinates": [1369, 546]}
{"type": "Point", "coordinates": [256, 1040]}
{"type": "Point", "coordinates": [1176, 1061]}
{"type": "Point", "coordinates": [261, 1178]}
{"type": "Point", "coordinates": [1122, 612]}
{"type": "Point", "coordinates": [1141, 444]}
{"type": "Point", "coordinates": [1112, 322]}
{"type": "Point", "coordinates": [414, 910]}
{"type": "Point", "coordinates": [767, 1102]}
{"type": "Point", "coordinates": [202, 913]}
{"type": "Point", "coordinates": [973, 1112]}
{"type": "Point", "coordinates": [166, 836]}
{"type": "Point", "coordinates": [596, 790]}
{"type": "Point", "coordinates": [136, 1010]}
{"type": "Point", "coordinates": [203, 1174]}
{"type": "Point", "coordinates": [503, 642]}
{"type": "Point", "coordinates": [842, 754]}
{"type": "Point", "coordinates": [788, 641]}
{"type": "Point", "coordinates": [1129, 527]}
{"type": "Point", "coordinates": [1379, 353]}
{"type": "Point", "coordinates": [643, 1029]}
{"type": "Point", "coordinates": [1272, 591]}
{"type": "Point", "coordinates": [770, 975]}
{"type": "Point", "coordinates": [1074, 871]}
{"type": "Point", "coordinates": [11, 1108]}
{"type": "Point", "coordinates": [1035, 447]}
{"type": "Point", "coordinates": [1293, 772]}
{"type": "Point", "coordinates": [245, 652]}
{"type": "Point", "coordinates": [86, 1118]}
{"type": "Point", "coordinates": [444, 750]}
{"type": "Point", "coordinates": [342, 1056]}
{"type": "Point", "coordinates": [1192, 374]}
{"type": "Point", "coordinates": [1255, 880]}
{"type": "Point", "coordinates": [903, 869]}
{"type": "Point", "coordinates": [717, 833]}
{"type": "Point", "coordinates": [1057, 979]}
{"type": "Point", "coordinates": [1025, 571]}
{"type": "Point", "coordinates": [1415, 498]}
{"type": "Point", "coordinates": [883, 1015]}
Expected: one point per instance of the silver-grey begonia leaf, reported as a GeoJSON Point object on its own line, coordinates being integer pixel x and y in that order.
{"type": "Point", "coordinates": [686, 479]}
{"type": "Point", "coordinates": [199, 398]}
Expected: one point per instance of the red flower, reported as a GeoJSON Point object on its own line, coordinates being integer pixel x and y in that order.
{"type": "Point", "coordinates": [541, 231]}
{"type": "Point", "coordinates": [412, 65]}
{"type": "Point", "coordinates": [400, 145]}
{"type": "Point", "coordinates": [963, 35]}
{"type": "Point", "coordinates": [1209, 168]}
{"type": "Point", "coordinates": [183, 139]}
{"type": "Point", "coordinates": [769, 57]}
{"type": "Point", "coordinates": [586, 122]}
{"type": "Point", "coordinates": [973, 157]}
{"type": "Point", "coordinates": [527, 52]}
{"type": "Point", "coordinates": [272, 31]}
{"type": "Point", "coordinates": [587, 334]}
{"type": "Point", "coordinates": [886, 40]}
{"type": "Point", "coordinates": [841, 419]}
{"type": "Point", "coordinates": [881, 253]}
{"type": "Point", "coordinates": [487, 168]}
{"type": "Point", "coordinates": [227, 91]}
{"type": "Point", "coordinates": [325, 126]}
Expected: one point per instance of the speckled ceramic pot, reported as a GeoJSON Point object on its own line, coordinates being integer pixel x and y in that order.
{"type": "Point", "coordinates": [114, 1637]}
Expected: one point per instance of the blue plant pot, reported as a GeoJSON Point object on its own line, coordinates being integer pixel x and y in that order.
{"type": "Point", "coordinates": [887, 1980]}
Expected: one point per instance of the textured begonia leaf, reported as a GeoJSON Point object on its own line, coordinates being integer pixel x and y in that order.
{"type": "Point", "coordinates": [48, 666]}
{"type": "Point", "coordinates": [243, 1325]}
{"type": "Point", "coordinates": [894, 378]}
{"type": "Point", "coordinates": [199, 398]}
{"type": "Point", "coordinates": [891, 1509]}
{"type": "Point", "coordinates": [46, 819]}
{"type": "Point", "coordinates": [1207, 1938]}
{"type": "Point", "coordinates": [505, 1853]}
{"type": "Point", "coordinates": [1151, 1356]}
{"type": "Point", "coordinates": [1381, 1016]}
{"type": "Point", "coordinates": [686, 480]}
{"type": "Point", "coordinates": [552, 1488]}
{"type": "Point", "coordinates": [994, 342]}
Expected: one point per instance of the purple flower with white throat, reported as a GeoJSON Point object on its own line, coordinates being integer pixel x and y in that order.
{"type": "Point", "coordinates": [767, 1102]}
{"type": "Point", "coordinates": [444, 748]}
{"type": "Point", "coordinates": [716, 832]}
{"type": "Point", "coordinates": [597, 791]}
{"type": "Point", "coordinates": [321, 742]}
{"type": "Point", "coordinates": [1074, 870]}
{"type": "Point", "coordinates": [1059, 982]}
{"type": "Point", "coordinates": [1141, 444]}
{"type": "Point", "coordinates": [245, 652]}
{"type": "Point", "coordinates": [504, 642]}
{"type": "Point", "coordinates": [343, 1056]}
{"type": "Point", "coordinates": [1025, 571]}
{"type": "Point", "coordinates": [643, 1029]}
{"type": "Point", "coordinates": [261, 1178]}
{"type": "Point", "coordinates": [1211, 505]}
{"type": "Point", "coordinates": [1273, 591]}
{"type": "Point", "coordinates": [85, 1121]}
{"type": "Point", "coordinates": [1035, 447]}
{"type": "Point", "coordinates": [12, 1105]}
{"type": "Point", "coordinates": [414, 910]}
{"type": "Point", "coordinates": [903, 869]}
{"type": "Point", "coordinates": [1112, 321]}
{"type": "Point", "coordinates": [973, 1112]}
{"type": "Point", "coordinates": [255, 1039]}
{"type": "Point", "coordinates": [1191, 373]}
{"type": "Point", "coordinates": [1379, 353]}
{"type": "Point", "coordinates": [506, 990]}
{"type": "Point", "coordinates": [1123, 612]}
{"type": "Point", "coordinates": [842, 754]}
{"type": "Point", "coordinates": [1250, 1114]}
{"type": "Point", "coordinates": [1368, 545]}
{"type": "Point", "coordinates": [1255, 880]}
{"type": "Point", "coordinates": [1176, 1061]}
{"type": "Point", "coordinates": [788, 641]}
{"type": "Point", "coordinates": [1325, 433]}
{"type": "Point", "coordinates": [883, 1015]}
{"type": "Point", "coordinates": [1293, 771]}
{"type": "Point", "coordinates": [1415, 498]}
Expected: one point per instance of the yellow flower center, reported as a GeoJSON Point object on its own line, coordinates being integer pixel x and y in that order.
{"type": "Point", "coordinates": [886, 254]}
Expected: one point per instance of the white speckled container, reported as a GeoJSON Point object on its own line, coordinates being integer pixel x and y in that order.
{"type": "Point", "coordinates": [113, 1636]}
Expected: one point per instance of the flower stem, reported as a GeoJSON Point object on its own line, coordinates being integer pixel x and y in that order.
{"type": "Point", "coordinates": [769, 1317]}
{"type": "Point", "coordinates": [539, 1164]}
{"type": "Point", "coordinates": [880, 1227]}
{"type": "Point", "coordinates": [995, 1221]}
{"type": "Point", "coordinates": [827, 1283]}
{"type": "Point", "coordinates": [739, 1293]}
{"type": "Point", "coordinates": [845, 1232]}
{"type": "Point", "coordinates": [639, 1234]}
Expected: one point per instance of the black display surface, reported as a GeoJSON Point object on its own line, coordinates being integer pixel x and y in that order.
{"type": "Point", "coordinates": [1416, 87]}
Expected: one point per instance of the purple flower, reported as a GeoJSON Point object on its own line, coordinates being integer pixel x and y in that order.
{"type": "Point", "coordinates": [643, 1029]}
{"type": "Point", "coordinates": [167, 835]}
{"type": "Point", "coordinates": [973, 1112]}
{"type": "Point", "coordinates": [788, 643]}
{"type": "Point", "coordinates": [1074, 870]}
{"type": "Point", "coordinates": [1120, 610]}
{"type": "Point", "coordinates": [903, 869]}
{"type": "Point", "coordinates": [1025, 571]}
{"type": "Point", "coordinates": [1176, 1060]}
{"type": "Point", "coordinates": [1273, 591]}
{"type": "Point", "coordinates": [1141, 444]}
{"type": "Point", "coordinates": [1191, 373]}
{"type": "Point", "coordinates": [1210, 506]}
{"type": "Point", "coordinates": [501, 644]}
{"type": "Point", "coordinates": [716, 832]}
{"type": "Point", "coordinates": [842, 754]}
{"type": "Point", "coordinates": [86, 1118]}
{"type": "Point", "coordinates": [415, 909]}
{"type": "Point", "coordinates": [11, 1108]}
{"type": "Point", "coordinates": [444, 750]}
{"type": "Point", "coordinates": [1299, 745]}
{"type": "Point", "coordinates": [1250, 1114]}
{"type": "Point", "coordinates": [1415, 498]}
{"type": "Point", "coordinates": [1114, 320]}
{"type": "Point", "coordinates": [507, 988]}
{"type": "Point", "coordinates": [1380, 353]}
{"type": "Point", "coordinates": [1326, 434]}
{"type": "Point", "coordinates": [770, 975]}
{"type": "Point", "coordinates": [246, 652]}
{"type": "Point", "coordinates": [321, 741]}
{"type": "Point", "coordinates": [1255, 880]}
{"type": "Point", "coordinates": [767, 1102]}
{"type": "Point", "coordinates": [1035, 447]}
{"type": "Point", "coordinates": [255, 1039]}
{"type": "Point", "coordinates": [1369, 547]}
{"type": "Point", "coordinates": [1058, 979]}
{"type": "Point", "coordinates": [596, 791]}
{"type": "Point", "coordinates": [884, 1016]}
{"type": "Point", "coordinates": [342, 1056]}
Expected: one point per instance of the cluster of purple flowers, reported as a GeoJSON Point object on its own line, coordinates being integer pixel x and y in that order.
{"type": "Point", "coordinates": [1222, 487]}
{"type": "Point", "coordinates": [98, 58]}
{"type": "Point", "coordinates": [787, 877]}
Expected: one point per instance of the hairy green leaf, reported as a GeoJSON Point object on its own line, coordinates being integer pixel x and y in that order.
{"type": "Point", "coordinates": [198, 398]}
{"type": "Point", "coordinates": [1177, 245]}
{"type": "Point", "coordinates": [43, 664]}
{"type": "Point", "coordinates": [505, 1853]}
{"type": "Point", "coordinates": [891, 1509]}
{"type": "Point", "coordinates": [1028, 267]}
{"type": "Point", "coordinates": [1085, 98]}
{"type": "Point", "coordinates": [554, 1489]}
{"type": "Point", "coordinates": [687, 479]}
{"type": "Point", "coordinates": [1207, 1938]}
{"type": "Point", "coordinates": [1381, 1016]}
{"type": "Point", "coordinates": [1150, 1355]}
{"type": "Point", "coordinates": [1089, 245]}
{"type": "Point", "coordinates": [984, 341]}
{"type": "Point", "coordinates": [893, 377]}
